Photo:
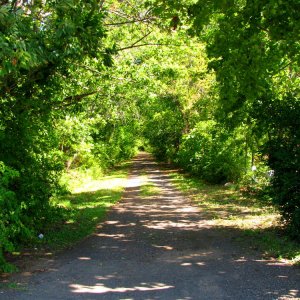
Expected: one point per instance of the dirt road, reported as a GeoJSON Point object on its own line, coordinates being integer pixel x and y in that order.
{"type": "Point", "coordinates": [159, 247]}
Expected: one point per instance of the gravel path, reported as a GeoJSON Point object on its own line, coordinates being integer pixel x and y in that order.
{"type": "Point", "coordinates": [158, 247]}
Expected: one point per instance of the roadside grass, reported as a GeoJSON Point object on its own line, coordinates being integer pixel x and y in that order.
{"type": "Point", "coordinates": [13, 286]}
{"type": "Point", "coordinates": [73, 217]}
{"type": "Point", "coordinates": [85, 207]}
{"type": "Point", "coordinates": [148, 188]}
{"type": "Point", "coordinates": [228, 208]}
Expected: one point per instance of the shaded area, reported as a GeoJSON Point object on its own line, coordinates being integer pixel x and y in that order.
{"type": "Point", "coordinates": [160, 247]}
{"type": "Point", "coordinates": [259, 223]}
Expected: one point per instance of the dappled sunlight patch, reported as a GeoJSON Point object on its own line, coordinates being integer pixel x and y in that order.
{"type": "Point", "coordinates": [186, 264]}
{"type": "Point", "coordinates": [195, 255]}
{"type": "Point", "coordinates": [293, 294]}
{"type": "Point", "coordinates": [126, 225]}
{"type": "Point", "coordinates": [95, 185]}
{"type": "Point", "coordinates": [190, 209]}
{"type": "Point", "coordinates": [240, 260]}
{"type": "Point", "coordinates": [100, 288]}
{"type": "Point", "coordinates": [229, 208]}
{"type": "Point", "coordinates": [249, 221]}
{"type": "Point", "coordinates": [112, 222]}
{"type": "Point", "coordinates": [135, 181]}
{"type": "Point", "coordinates": [180, 224]}
{"type": "Point", "coordinates": [148, 188]}
{"type": "Point", "coordinates": [168, 248]}
{"type": "Point", "coordinates": [112, 236]}
{"type": "Point", "coordinates": [190, 260]}
{"type": "Point", "coordinates": [274, 263]}
{"type": "Point", "coordinates": [107, 277]}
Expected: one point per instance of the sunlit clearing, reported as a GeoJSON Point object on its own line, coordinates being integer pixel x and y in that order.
{"type": "Point", "coordinates": [101, 289]}
{"type": "Point", "coordinates": [95, 185]}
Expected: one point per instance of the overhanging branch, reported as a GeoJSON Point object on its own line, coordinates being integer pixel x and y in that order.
{"type": "Point", "coordinates": [130, 22]}
{"type": "Point", "coordinates": [75, 99]}
{"type": "Point", "coordinates": [147, 44]}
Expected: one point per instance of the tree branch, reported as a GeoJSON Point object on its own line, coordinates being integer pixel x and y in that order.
{"type": "Point", "coordinates": [142, 38]}
{"type": "Point", "coordinates": [121, 14]}
{"type": "Point", "coordinates": [134, 45]}
{"type": "Point", "coordinates": [147, 44]}
{"type": "Point", "coordinates": [101, 4]}
{"type": "Point", "coordinates": [130, 22]}
{"type": "Point", "coordinates": [79, 97]}
{"type": "Point", "coordinates": [70, 100]}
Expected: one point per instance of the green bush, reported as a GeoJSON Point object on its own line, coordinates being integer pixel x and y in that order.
{"type": "Point", "coordinates": [283, 152]}
{"type": "Point", "coordinates": [284, 160]}
{"type": "Point", "coordinates": [164, 128]}
{"type": "Point", "coordinates": [257, 180]}
{"type": "Point", "coordinates": [211, 153]}
{"type": "Point", "coordinates": [11, 226]}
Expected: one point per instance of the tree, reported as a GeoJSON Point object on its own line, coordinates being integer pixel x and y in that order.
{"type": "Point", "coordinates": [41, 43]}
{"type": "Point", "coordinates": [254, 49]}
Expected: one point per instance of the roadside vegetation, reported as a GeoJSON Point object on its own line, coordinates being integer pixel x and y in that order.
{"type": "Point", "coordinates": [149, 190]}
{"type": "Point", "coordinates": [212, 86]}
{"type": "Point", "coordinates": [77, 213]}
{"type": "Point", "coordinates": [86, 206]}
{"type": "Point", "coordinates": [255, 219]}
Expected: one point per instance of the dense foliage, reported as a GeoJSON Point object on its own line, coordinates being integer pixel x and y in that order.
{"type": "Point", "coordinates": [254, 49]}
{"type": "Point", "coordinates": [212, 86]}
{"type": "Point", "coordinates": [51, 117]}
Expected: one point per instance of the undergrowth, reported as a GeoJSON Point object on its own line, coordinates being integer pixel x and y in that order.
{"type": "Point", "coordinates": [76, 214]}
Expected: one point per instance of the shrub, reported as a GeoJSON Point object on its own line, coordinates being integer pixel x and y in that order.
{"type": "Point", "coordinates": [11, 226]}
{"type": "Point", "coordinates": [211, 153]}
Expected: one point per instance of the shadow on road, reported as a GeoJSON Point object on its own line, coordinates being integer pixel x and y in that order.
{"type": "Point", "coordinates": [160, 247]}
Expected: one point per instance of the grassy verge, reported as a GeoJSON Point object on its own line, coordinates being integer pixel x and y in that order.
{"type": "Point", "coordinates": [75, 216]}
{"type": "Point", "coordinates": [13, 286]}
{"type": "Point", "coordinates": [85, 207]}
{"type": "Point", "coordinates": [148, 188]}
{"type": "Point", "coordinates": [256, 221]}
{"type": "Point", "coordinates": [78, 213]}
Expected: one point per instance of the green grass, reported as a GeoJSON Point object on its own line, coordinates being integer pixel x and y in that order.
{"type": "Point", "coordinates": [149, 190]}
{"type": "Point", "coordinates": [13, 285]}
{"type": "Point", "coordinates": [256, 222]}
{"type": "Point", "coordinates": [74, 216]}
{"type": "Point", "coordinates": [85, 207]}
